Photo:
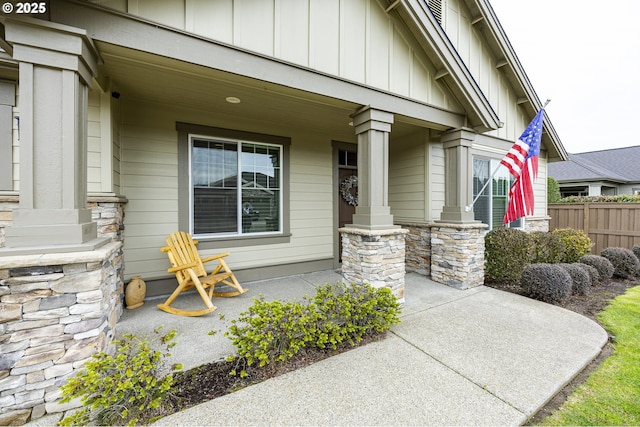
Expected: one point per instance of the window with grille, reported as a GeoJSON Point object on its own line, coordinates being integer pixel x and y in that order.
{"type": "Point", "coordinates": [236, 187]}
{"type": "Point", "coordinates": [491, 205]}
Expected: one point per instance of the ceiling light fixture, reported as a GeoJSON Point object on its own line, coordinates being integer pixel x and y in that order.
{"type": "Point", "coordinates": [233, 100]}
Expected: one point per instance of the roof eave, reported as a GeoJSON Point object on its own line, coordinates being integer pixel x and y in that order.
{"type": "Point", "coordinates": [530, 100]}
{"type": "Point", "coordinates": [451, 69]}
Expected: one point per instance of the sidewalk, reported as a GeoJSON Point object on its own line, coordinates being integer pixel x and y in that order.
{"type": "Point", "coordinates": [474, 357]}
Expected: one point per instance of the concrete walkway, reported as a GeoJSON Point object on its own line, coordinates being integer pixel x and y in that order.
{"type": "Point", "coordinates": [474, 357]}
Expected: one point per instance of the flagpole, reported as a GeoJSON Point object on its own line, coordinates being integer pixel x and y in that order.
{"type": "Point", "coordinates": [484, 187]}
{"type": "Point", "coordinates": [486, 184]}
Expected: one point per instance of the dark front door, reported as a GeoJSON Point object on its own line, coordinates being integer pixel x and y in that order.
{"type": "Point", "coordinates": [348, 195]}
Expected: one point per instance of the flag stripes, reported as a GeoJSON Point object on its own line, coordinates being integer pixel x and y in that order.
{"type": "Point", "coordinates": [522, 162]}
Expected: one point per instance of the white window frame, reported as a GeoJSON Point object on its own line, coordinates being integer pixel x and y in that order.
{"type": "Point", "coordinates": [238, 232]}
{"type": "Point", "coordinates": [502, 172]}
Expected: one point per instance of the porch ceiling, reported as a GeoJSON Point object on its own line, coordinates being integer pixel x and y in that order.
{"type": "Point", "coordinates": [143, 76]}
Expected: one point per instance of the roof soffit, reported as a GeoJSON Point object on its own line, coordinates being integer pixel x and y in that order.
{"type": "Point", "coordinates": [131, 32]}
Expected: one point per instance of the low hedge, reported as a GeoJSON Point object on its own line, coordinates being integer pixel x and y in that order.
{"type": "Point", "coordinates": [580, 279]}
{"type": "Point", "coordinates": [507, 252]}
{"type": "Point", "coordinates": [603, 265]}
{"type": "Point", "coordinates": [625, 263]}
{"type": "Point", "coordinates": [546, 282]}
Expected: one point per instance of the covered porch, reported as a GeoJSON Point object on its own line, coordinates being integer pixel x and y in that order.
{"type": "Point", "coordinates": [117, 139]}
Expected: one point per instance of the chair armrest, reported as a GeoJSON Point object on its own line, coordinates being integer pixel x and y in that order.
{"type": "Point", "coordinates": [213, 257]}
{"type": "Point", "coordinates": [182, 267]}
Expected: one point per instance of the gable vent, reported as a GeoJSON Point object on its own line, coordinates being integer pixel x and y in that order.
{"type": "Point", "coordinates": [437, 8]}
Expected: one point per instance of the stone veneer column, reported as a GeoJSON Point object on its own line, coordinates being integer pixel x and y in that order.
{"type": "Point", "coordinates": [418, 247]}
{"type": "Point", "coordinates": [57, 64]}
{"type": "Point", "coordinates": [536, 224]}
{"type": "Point", "coordinates": [376, 257]}
{"type": "Point", "coordinates": [457, 254]}
{"type": "Point", "coordinates": [457, 240]}
{"type": "Point", "coordinates": [373, 247]}
{"type": "Point", "coordinates": [56, 311]}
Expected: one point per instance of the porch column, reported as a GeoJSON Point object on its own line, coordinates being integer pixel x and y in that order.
{"type": "Point", "coordinates": [57, 64]}
{"type": "Point", "coordinates": [373, 248]}
{"type": "Point", "coordinates": [60, 284]}
{"type": "Point", "coordinates": [373, 127]}
{"type": "Point", "coordinates": [458, 176]}
{"type": "Point", "coordinates": [457, 240]}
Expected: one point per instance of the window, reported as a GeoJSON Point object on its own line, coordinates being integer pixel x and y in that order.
{"type": "Point", "coordinates": [347, 158]}
{"type": "Point", "coordinates": [491, 205]}
{"type": "Point", "coordinates": [235, 187]}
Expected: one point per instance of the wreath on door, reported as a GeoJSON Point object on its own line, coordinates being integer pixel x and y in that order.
{"type": "Point", "coordinates": [348, 190]}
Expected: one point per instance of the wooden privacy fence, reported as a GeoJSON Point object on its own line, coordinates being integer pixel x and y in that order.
{"type": "Point", "coordinates": [607, 224]}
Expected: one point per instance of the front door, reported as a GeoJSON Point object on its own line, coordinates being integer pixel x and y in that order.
{"type": "Point", "coordinates": [347, 189]}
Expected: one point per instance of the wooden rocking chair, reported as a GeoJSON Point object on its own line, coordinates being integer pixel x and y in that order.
{"type": "Point", "coordinates": [190, 272]}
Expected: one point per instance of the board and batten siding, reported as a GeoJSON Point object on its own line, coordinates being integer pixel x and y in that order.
{"type": "Point", "coordinates": [351, 39]}
{"type": "Point", "coordinates": [481, 63]}
{"type": "Point", "coordinates": [149, 176]}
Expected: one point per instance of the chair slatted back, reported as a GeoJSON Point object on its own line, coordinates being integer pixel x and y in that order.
{"type": "Point", "coordinates": [184, 251]}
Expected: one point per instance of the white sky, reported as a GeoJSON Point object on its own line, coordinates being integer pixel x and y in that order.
{"type": "Point", "coordinates": [584, 55]}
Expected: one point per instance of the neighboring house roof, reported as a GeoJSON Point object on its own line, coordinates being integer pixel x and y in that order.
{"type": "Point", "coordinates": [617, 165]}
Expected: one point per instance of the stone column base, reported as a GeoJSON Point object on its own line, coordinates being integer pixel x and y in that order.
{"type": "Point", "coordinates": [56, 311]}
{"type": "Point", "coordinates": [457, 254]}
{"type": "Point", "coordinates": [536, 224]}
{"type": "Point", "coordinates": [375, 257]}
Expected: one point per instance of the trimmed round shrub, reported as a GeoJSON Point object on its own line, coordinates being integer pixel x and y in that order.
{"type": "Point", "coordinates": [625, 263]}
{"type": "Point", "coordinates": [546, 282]}
{"type": "Point", "coordinates": [506, 254]}
{"type": "Point", "coordinates": [580, 279]}
{"type": "Point", "coordinates": [591, 271]}
{"type": "Point", "coordinates": [545, 247]}
{"type": "Point", "coordinates": [576, 243]}
{"type": "Point", "coordinates": [603, 265]}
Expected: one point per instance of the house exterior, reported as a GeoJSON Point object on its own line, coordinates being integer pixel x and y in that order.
{"type": "Point", "coordinates": [297, 135]}
{"type": "Point", "coordinates": [599, 173]}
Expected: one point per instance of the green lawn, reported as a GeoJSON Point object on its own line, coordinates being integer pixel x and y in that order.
{"type": "Point", "coordinates": [611, 395]}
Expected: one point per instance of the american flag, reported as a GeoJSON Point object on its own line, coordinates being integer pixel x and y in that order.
{"type": "Point", "coordinates": [522, 162]}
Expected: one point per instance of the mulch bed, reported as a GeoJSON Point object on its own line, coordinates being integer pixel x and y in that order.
{"type": "Point", "coordinates": [212, 380]}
